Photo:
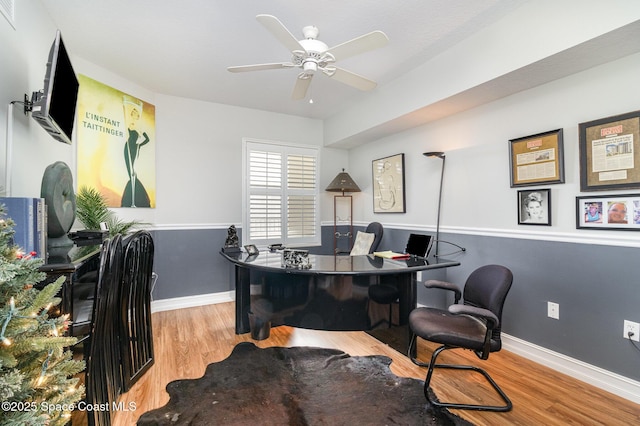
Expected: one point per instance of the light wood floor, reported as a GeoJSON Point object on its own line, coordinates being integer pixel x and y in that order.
{"type": "Point", "coordinates": [187, 340]}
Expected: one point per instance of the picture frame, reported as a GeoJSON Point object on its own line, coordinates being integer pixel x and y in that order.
{"type": "Point", "coordinates": [388, 184]}
{"type": "Point", "coordinates": [534, 207]}
{"type": "Point", "coordinates": [609, 212]}
{"type": "Point", "coordinates": [610, 153]}
{"type": "Point", "coordinates": [251, 249]}
{"type": "Point", "coordinates": [537, 159]}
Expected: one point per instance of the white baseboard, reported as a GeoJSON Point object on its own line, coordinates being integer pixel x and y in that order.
{"type": "Point", "coordinates": [192, 301]}
{"type": "Point", "coordinates": [596, 376]}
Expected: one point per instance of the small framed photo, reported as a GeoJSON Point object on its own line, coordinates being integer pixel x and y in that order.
{"type": "Point", "coordinates": [534, 207]}
{"type": "Point", "coordinates": [610, 153]}
{"type": "Point", "coordinates": [537, 159]}
{"type": "Point", "coordinates": [388, 184]}
{"type": "Point", "coordinates": [609, 212]}
{"type": "Point", "coordinates": [251, 249]}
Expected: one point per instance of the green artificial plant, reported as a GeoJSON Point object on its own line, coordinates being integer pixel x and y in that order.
{"type": "Point", "coordinates": [92, 210]}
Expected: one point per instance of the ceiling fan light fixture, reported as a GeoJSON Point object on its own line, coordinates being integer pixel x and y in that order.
{"type": "Point", "coordinates": [311, 55]}
{"type": "Point", "coordinates": [310, 67]}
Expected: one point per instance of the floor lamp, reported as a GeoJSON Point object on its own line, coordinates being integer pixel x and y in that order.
{"type": "Point", "coordinates": [342, 183]}
{"type": "Point", "coordinates": [440, 155]}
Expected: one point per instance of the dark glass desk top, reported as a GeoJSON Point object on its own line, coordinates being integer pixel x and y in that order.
{"type": "Point", "coordinates": [340, 264]}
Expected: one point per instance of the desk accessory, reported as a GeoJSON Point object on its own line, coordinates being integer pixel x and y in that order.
{"type": "Point", "coordinates": [299, 259]}
{"type": "Point", "coordinates": [391, 255]}
{"type": "Point", "coordinates": [231, 244]}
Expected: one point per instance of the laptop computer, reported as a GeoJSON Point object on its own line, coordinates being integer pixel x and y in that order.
{"type": "Point", "coordinates": [419, 245]}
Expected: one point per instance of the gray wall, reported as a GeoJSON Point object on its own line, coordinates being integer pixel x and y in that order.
{"type": "Point", "coordinates": [593, 302]}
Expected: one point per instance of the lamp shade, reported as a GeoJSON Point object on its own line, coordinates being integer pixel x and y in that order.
{"type": "Point", "coordinates": [343, 183]}
{"type": "Point", "coordinates": [438, 154]}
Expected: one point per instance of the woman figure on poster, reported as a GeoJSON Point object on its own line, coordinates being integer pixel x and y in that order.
{"type": "Point", "coordinates": [534, 209]}
{"type": "Point", "coordinates": [134, 194]}
{"type": "Point", "coordinates": [593, 214]}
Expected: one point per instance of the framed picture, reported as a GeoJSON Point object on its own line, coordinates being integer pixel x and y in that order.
{"type": "Point", "coordinates": [610, 212]}
{"type": "Point", "coordinates": [537, 159]}
{"type": "Point", "coordinates": [251, 249]}
{"type": "Point", "coordinates": [610, 153]}
{"type": "Point", "coordinates": [388, 184]}
{"type": "Point", "coordinates": [534, 207]}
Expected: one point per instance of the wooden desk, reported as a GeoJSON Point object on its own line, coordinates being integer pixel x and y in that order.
{"type": "Point", "coordinates": [331, 295]}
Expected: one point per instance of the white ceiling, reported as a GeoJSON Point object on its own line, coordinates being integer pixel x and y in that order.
{"type": "Point", "coordinates": [182, 48]}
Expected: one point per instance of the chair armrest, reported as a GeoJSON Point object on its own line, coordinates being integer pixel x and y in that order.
{"type": "Point", "coordinates": [490, 317]}
{"type": "Point", "coordinates": [445, 286]}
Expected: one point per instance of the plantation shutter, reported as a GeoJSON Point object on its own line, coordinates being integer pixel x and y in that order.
{"type": "Point", "coordinates": [281, 195]}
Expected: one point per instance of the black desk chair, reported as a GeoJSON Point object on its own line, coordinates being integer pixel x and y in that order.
{"type": "Point", "coordinates": [377, 230]}
{"type": "Point", "coordinates": [387, 294]}
{"type": "Point", "coordinates": [474, 325]}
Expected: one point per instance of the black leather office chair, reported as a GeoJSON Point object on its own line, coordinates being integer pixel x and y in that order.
{"type": "Point", "coordinates": [387, 294]}
{"type": "Point", "coordinates": [474, 325]}
{"type": "Point", "coordinates": [376, 229]}
{"type": "Point", "coordinates": [382, 294]}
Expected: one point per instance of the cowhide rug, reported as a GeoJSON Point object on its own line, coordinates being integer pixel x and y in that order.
{"type": "Point", "coordinates": [298, 386]}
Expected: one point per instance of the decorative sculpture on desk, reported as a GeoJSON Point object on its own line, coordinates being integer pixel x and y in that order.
{"type": "Point", "coordinates": [57, 191]}
{"type": "Point", "coordinates": [298, 259]}
{"type": "Point", "coordinates": [231, 245]}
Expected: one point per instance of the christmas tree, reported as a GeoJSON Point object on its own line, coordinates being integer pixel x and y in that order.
{"type": "Point", "coordinates": [37, 383]}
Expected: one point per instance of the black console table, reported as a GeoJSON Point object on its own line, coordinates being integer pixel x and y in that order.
{"type": "Point", "coordinates": [330, 295]}
{"type": "Point", "coordinates": [79, 266]}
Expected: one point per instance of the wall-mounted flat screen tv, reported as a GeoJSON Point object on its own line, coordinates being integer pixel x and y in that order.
{"type": "Point", "coordinates": [54, 107]}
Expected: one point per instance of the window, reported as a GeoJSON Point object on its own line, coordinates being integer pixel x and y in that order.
{"type": "Point", "coordinates": [280, 194]}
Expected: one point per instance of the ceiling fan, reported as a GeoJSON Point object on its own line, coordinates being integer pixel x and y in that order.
{"type": "Point", "coordinates": [311, 55]}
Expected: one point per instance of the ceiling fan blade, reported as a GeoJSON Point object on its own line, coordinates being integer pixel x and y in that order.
{"type": "Point", "coordinates": [352, 79]}
{"type": "Point", "coordinates": [260, 67]}
{"type": "Point", "coordinates": [280, 32]}
{"type": "Point", "coordinates": [300, 89]}
{"type": "Point", "coordinates": [358, 45]}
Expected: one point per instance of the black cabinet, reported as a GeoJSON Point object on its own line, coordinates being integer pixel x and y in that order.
{"type": "Point", "coordinates": [79, 267]}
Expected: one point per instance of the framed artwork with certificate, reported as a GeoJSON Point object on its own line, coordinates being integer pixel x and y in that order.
{"type": "Point", "coordinates": [610, 212]}
{"type": "Point", "coordinates": [537, 159]}
{"type": "Point", "coordinates": [610, 153]}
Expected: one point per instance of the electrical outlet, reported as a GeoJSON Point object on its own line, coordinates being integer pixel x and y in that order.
{"type": "Point", "coordinates": [553, 310]}
{"type": "Point", "coordinates": [631, 327]}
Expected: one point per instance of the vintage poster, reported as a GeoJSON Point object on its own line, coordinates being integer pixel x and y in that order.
{"type": "Point", "coordinates": [116, 145]}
